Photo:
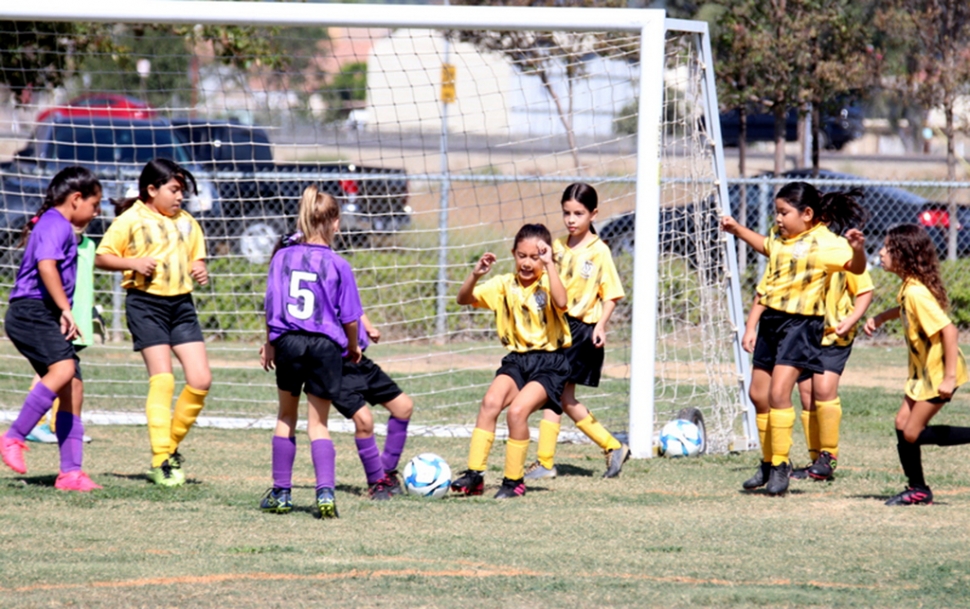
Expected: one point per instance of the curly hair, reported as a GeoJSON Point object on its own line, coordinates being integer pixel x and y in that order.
{"type": "Point", "coordinates": [913, 256]}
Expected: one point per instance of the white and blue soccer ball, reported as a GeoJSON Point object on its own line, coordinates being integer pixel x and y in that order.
{"type": "Point", "coordinates": [427, 475]}
{"type": "Point", "coordinates": [680, 438]}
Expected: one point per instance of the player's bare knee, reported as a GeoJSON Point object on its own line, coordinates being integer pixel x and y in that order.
{"type": "Point", "coordinates": [364, 422]}
{"type": "Point", "coordinates": [401, 407]}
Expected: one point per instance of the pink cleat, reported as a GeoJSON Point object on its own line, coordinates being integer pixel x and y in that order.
{"type": "Point", "coordinates": [75, 481]}
{"type": "Point", "coordinates": [12, 451]}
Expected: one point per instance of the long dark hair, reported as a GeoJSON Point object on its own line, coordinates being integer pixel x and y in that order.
{"type": "Point", "coordinates": [157, 173]}
{"type": "Point", "coordinates": [913, 256]}
{"type": "Point", "coordinates": [67, 181]}
{"type": "Point", "coordinates": [585, 195]}
{"type": "Point", "coordinates": [840, 210]}
{"type": "Point", "coordinates": [532, 231]}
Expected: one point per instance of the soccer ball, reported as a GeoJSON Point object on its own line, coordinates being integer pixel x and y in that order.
{"type": "Point", "coordinates": [680, 438]}
{"type": "Point", "coordinates": [427, 475]}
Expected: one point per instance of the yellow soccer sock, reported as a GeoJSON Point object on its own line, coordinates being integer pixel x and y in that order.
{"type": "Point", "coordinates": [781, 422]}
{"type": "Point", "coordinates": [761, 419]}
{"type": "Point", "coordinates": [516, 452]}
{"type": "Point", "coordinates": [52, 415]}
{"type": "Point", "coordinates": [158, 408]}
{"type": "Point", "coordinates": [548, 436]}
{"type": "Point", "coordinates": [479, 449]}
{"type": "Point", "coordinates": [810, 427]}
{"type": "Point", "coordinates": [829, 419]}
{"type": "Point", "coordinates": [187, 409]}
{"type": "Point", "coordinates": [597, 433]}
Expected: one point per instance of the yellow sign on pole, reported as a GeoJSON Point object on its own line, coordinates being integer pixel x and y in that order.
{"type": "Point", "coordinates": [448, 83]}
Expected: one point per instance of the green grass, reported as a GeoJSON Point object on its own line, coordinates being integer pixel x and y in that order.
{"type": "Point", "coordinates": [666, 533]}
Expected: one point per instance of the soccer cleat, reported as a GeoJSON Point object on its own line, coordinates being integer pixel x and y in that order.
{"type": "Point", "coordinates": [511, 489]}
{"type": "Point", "coordinates": [615, 460]}
{"type": "Point", "coordinates": [913, 496]}
{"type": "Point", "coordinates": [393, 482]}
{"type": "Point", "coordinates": [538, 471]}
{"type": "Point", "coordinates": [760, 478]}
{"type": "Point", "coordinates": [176, 459]}
{"type": "Point", "coordinates": [277, 501]}
{"type": "Point", "coordinates": [469, 483]}
{"type": "Point", "coordinates": [800, 473]}
{"type": "Point", "coordinates": [778, 479]}
{"type": "Point", "coordinates": [42, 434]}
{"type": "Point", "coordinates": [12, 451]}
{"type": "Point", "coordinates": [326, 504]}
{"type": "Point", "coordinates": [380, 491]}
{"type": "Point", "coordinates": [165, 475]}
{"type": "Point", "coordinates": [824, 466]}
{"type": "Point", "coordinates": [75, 481]}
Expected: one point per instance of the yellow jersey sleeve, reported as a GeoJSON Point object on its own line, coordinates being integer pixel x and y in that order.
{"type": "Point", "coordinates": [923, 318]}
{"type": "Point", "coordinates": [491, 294]}
{"type": "Point", "coordinates": [117, 238]}
{"type": "Point", "coordinates": [859, 284]}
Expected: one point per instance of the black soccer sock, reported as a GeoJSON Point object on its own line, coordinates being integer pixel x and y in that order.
{"type": "Point", "coordinates": [944, 435]}
{"type": "Point", "coordinates": [911, 458]}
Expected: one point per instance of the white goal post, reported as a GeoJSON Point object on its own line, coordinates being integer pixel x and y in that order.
{"type": "Point", "coordinates": [466, 132]}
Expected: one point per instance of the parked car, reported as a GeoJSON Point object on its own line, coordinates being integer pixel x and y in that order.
{"type": "Point", "coordinates": [102, 104]}
{"type": "Point", "coordinates": [838, 128]}
{"type": "Point", "coordinates": [887, 206]}
{"type": "Point", "coordinates": [260, 197]}
{"type": "Point", "coordinates": [115, 149]}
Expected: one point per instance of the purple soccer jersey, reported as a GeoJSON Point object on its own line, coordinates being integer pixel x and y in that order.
{"type": "Point", "coordinates": [52, 238]}
{"type": "Point", "coordinates": [311, 289]}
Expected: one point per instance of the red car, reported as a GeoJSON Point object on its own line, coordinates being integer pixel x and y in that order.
{"type": "Point", "coordinates": [102, 104]}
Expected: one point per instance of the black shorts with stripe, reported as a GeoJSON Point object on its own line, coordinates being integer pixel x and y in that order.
{"type": "Point", "coordinates": [363, 383]}
{"type": "Point", "coordinates": [787, 339]}
{"type": "Point", "coordinates": [585, 358]}
{"type": "Point", "coordinates": [548, 368]}
{"type": "Point", "coordinates": [161, 320]}
{"type": "Point", "coordinates": [308, 362]}
{"type": "Point", "coordinates": [833, 359]}
{"type": "Point", "coordinates": [34, 327]}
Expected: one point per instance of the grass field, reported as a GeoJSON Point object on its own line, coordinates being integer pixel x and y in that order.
{"type": "Point", "coordinates": [666, 533]}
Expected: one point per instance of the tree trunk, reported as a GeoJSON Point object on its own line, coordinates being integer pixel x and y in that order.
{"type": "Point", "coordinates": [816, 130]}
{"type": "Point", "coordinates": [566, 123]}
{"type": "Point", "coordinates": [742, 168]}
{"type": "Point", "coordinates": [951, 203]}
{"type": "Point", "coordinates": [779, 112]}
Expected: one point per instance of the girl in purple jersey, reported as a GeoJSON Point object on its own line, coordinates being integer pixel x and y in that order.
{"type": "Point", "coordinates": [40, 324]}
{"type": "Point", "coordinates": [312, 312]}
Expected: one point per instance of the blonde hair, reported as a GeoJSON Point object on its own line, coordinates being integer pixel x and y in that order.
{"type": "Point", "coordinates": [318, 210]}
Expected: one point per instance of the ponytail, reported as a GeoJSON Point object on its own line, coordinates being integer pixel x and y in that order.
{"type": "Point", "coordinates": [68, 180]}
{"type": "Point", "coordinates": [842, 210]}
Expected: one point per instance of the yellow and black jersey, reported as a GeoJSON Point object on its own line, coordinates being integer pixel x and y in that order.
{"type": "Point", "coordinates": [525, 316]}
{"type": "Point", "coordinates": [174, 242]}
{"type": "Point", "coordinates": [923, 318]}
{"type": "Point", "coordinates": [794, 280]}
{"type": "Point", "coordinates": [841, 290]}
{"type": "Point", "coordinates": [589, 276]}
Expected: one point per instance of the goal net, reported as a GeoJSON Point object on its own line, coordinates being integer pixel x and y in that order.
{"type": "Point", "coordinates": [440, 131]}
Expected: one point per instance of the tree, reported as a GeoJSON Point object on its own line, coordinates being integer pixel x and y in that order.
{"type": "Point", "coordinates": [938, 68]}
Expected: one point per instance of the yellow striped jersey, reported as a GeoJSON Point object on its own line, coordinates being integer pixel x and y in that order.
{"type": "Point", "coordinates": [923, 318]}
{"type": "Point", "coordinates": [841, 290]}
{"type": "Point", "coordinates": [589, 276]}
{"type": "Point", "coordinates": [525, 317]}
{"type": "Point", "coordinates": [174, 242]}
{"type": "Point", "coordinates": [794, 279]}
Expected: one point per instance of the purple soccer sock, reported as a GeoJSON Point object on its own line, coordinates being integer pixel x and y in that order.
{"type": "Point", "coordinates": [36, 405]}
{"type": "Point", "coordinates": [284, 453]}
{"type": "Point", "coordinates": [397, 435]}
{"type": "Point", "coordinates": [324, 463]}
{"type": "Point", "coordinates": [70, 439]}
{"type": "Point", "coordinates": [370, 458]}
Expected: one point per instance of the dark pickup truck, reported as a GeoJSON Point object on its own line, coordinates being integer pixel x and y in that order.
{"type": "Point", "coordinates": [114, 148]}
{"type": "Point", "coordinates": [260, 198]}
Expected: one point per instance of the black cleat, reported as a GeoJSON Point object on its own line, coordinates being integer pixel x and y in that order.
{"type": "Point", "coordinates": [380, 490]}
{"type": "Point", "coordinates": [824, 466]}
{"type": "Point", "coordinates": [760, 478]}
{"type": "Point", "coordinates": [393, 482]}
{"type": "Point", "coordinates": [277, 501]}
{"type": "Point", "coordinates": [469, 483]}
{"type": "Point", "coordinates": [778, 479]}
{"type": "Point", "coordinates": [511, 489]}
{"type": "Point", "coordinates": [913, 496]}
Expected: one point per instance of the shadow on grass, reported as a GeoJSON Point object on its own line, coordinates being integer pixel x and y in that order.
{"type": "Point", "coordinates": [564, 469]}
{"type": "Point", "coordinates": [47, 480]}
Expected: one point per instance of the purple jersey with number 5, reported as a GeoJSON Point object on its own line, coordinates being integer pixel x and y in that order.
{"type": "Point", "coordinates": [311, 289]}
{"type": "Point", "coordinates": [52, 238]}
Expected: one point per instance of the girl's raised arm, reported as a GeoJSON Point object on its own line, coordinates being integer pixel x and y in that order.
{"type": "Point", "coordinates": [755, 240]}
{"type": "Point", "coordinates": [466, 294]}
